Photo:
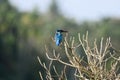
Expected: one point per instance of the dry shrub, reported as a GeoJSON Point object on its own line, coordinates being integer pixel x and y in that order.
{"type": "Point", "coordinates": [99, 58]}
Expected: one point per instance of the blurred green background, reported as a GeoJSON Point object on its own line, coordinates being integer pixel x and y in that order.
{"type": "Point", "coordinates": [23, 36]}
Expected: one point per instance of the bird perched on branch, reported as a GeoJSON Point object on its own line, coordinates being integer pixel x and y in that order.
{"type": "Point", "coordinates": [59, 36]}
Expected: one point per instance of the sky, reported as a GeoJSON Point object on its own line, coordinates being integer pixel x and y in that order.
{"type": "Point", "coordinates": [76, 9]}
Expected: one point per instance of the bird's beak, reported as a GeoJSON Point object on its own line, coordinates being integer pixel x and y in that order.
{"type": "Point", "coordinates": [64, 31]}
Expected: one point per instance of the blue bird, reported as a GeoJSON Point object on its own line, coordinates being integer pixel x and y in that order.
{"type": "Point", "coordinates": [59, 36]}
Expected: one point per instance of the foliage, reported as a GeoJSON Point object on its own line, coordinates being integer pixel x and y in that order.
{"type": "Point", "coordinates": [24, 34]}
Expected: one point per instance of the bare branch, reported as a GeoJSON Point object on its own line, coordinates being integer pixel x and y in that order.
{"type": "Point", "coordinates": [93, 68]}
{"type": "Point", "coordinates": [40, 75]}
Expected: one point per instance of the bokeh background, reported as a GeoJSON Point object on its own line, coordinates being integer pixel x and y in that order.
{"type": "Point", "coordinates": [26, 26]}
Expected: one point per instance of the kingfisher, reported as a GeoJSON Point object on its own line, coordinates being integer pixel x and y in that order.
{"type": "Point", "coordinates": [59, 36]}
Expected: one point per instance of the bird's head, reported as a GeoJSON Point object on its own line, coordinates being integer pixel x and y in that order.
{"type": "Point", "coordinates": [61, 31]}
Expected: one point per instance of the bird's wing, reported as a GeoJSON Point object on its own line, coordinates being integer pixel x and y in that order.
{"type": "Point", "coordinates": [58, 39]}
